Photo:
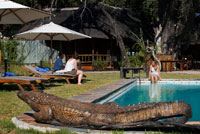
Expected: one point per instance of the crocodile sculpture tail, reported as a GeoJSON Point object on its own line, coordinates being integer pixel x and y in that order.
{"type": "Point", "coordinates": [48, 107]}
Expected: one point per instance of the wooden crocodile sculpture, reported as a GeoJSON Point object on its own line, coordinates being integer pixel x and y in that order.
{"type": "Point", "coordinates": [48, 107]}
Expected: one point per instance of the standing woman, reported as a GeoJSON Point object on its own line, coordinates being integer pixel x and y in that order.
{"type": "Point", "coordinates": [72, 68]}
{"type": "Point", "coordinates": [154, 72]}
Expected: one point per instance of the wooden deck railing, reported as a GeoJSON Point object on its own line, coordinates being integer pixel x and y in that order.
{"type": "Point", "coordinates": [89, 58]}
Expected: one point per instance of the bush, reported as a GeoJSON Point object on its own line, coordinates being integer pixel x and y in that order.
{"type": "Point", "coordinates": [98, 64]}
{"type": "Point", "coordinates": [137, 61]}
{"type": "Point", "coordinates": [9, 48]}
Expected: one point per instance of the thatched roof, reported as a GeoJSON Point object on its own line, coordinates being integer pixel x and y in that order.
{"type": "Point", "coordinates": [60, 15]}
{"type": "Point", "coordinates": [94, 20]}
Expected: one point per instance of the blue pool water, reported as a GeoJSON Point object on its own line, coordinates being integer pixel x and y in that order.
{"type": "Point", "coordinates": [163, 92]}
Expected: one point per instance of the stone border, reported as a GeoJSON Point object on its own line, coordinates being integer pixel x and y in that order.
{"type": "Point", "coordinates": [24, 125]}
{"type": "Point", "coordinates": [174, 81]}
{"type": "Point", "coordinates": [102, 92]}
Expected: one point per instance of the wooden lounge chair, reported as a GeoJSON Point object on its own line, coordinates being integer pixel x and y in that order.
{"type": "Point", "coordinates": [19, 80]}
{"type": "Point", "coordinates": [49, 75]}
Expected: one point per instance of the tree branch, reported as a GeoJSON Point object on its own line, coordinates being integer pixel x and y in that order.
{"type": "Point", "coordinates": [84, 7]}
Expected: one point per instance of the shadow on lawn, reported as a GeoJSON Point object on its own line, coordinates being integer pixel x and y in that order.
{"type": "Point", "coordinates": [14, 87]}
{"type": "Point", "coordinates": [72, 81]}
{"type": "Point", "coordinates": [43, 86]}
{"type": "Point", "coordinates": [8, 87]}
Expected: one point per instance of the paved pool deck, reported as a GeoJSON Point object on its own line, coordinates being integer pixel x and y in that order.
{"type": "Point", "coordinates": [101, 92]}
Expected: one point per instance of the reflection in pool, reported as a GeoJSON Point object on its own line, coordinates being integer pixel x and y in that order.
{"type": "Point", "coordinates": [154, 93]}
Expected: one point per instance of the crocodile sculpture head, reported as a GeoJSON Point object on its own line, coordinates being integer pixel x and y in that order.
{"type": "Point", "coordinates": [48, 107]}
{"type": "Point", "coordinates": [30, 99]}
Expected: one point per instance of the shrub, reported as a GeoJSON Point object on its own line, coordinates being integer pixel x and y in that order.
{"type": "Point", "coordinates": [98, 64]}
{"type": "Point", "coordinates": [9, 48]}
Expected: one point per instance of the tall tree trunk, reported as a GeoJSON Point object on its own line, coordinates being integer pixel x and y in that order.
{"type": "Point", "coordinates": [119, 39]}
{"type": "Point", "coordinates": [177, 22]}
{"type": "Point", "coordinates": [122, 49]}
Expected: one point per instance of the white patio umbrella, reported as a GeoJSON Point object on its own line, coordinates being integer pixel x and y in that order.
{"type": "Point", "coordinates": [51, 32]}
{"type": "Point", "coordinates": [14, 13]}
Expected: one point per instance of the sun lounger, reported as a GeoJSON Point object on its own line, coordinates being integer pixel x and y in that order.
{"type": "Point", "coordinates": [23, 80]}
{"type": "Point", "coordinates": [49, 75]}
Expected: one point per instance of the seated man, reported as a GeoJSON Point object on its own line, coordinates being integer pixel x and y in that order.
{"type": "Point", "coordinates": [59, 64]}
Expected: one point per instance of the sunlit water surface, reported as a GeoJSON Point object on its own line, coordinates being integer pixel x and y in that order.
{"type": "Point", "coordinates": [164, 92]}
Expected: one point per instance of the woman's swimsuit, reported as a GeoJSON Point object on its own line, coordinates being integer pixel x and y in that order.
{"type": "Point", "coordinates": [153, 71]}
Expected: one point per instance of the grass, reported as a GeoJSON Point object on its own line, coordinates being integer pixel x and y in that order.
{"type": "Point", "coordinates": [11, 105]}
{"type": "Point", "coordinates": [179, 76]}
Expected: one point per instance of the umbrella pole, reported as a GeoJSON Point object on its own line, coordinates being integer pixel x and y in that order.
{"type": "Point", "coordinates": [51, 62]}
{"type": "Point", "coordinates": [0, 59]}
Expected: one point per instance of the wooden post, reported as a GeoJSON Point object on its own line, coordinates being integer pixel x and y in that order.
{"type": "Point", "coordinates": [121, 72]}
{"type": "Point", "coordinates": [41, 63]}
{"type": "Point", "coordinates": [146, 60]}
{"type": "Point", "coordinates": [92, 53]}
{"type": "Point", "coordinates": [111, 54]}
{"type": "Point", "coordinates": [6, 65]}
{"type": "Point", "coordinates": [75, 52]}
{"type": "Point", "coordinates": [139, 77]}
{"type": "Point", "coordinates": [165, 66]}
{"type": "Point", "coordinates": [51, 61]}
{"type": "Point", "coordinates": [1, 69]}
{"type": "Point", "coordinates": [182, 65]}
{"type": "Point", "coordinates": [0, 58]}
{"type": "Point", "coordinates": [171, 66]}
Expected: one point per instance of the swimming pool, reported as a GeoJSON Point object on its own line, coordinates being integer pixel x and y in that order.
{"type": "Point", "coordinates": [189, 93]}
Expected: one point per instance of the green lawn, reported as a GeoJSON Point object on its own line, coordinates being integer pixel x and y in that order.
{"type": "Point", "coordinates": [11, 105]}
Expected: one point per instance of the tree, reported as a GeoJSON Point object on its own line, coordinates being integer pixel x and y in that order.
{"type": "Point", "coordinates": [47, 3]}
{"type": "Point", "coordinates": [107, 22]}
{"type": "Point", "coordinates": [118, 38]}
{"type": "Point", "coordinates": [9, 49]}
{"type": "Point", "coordinates": [117, 3]}
{"type": "Point", "coordinates": [178, 18]}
